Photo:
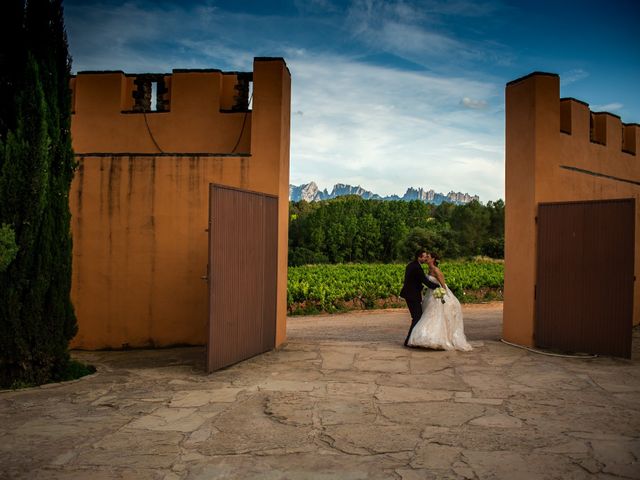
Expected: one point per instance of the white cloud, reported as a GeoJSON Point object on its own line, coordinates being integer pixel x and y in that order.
{"type": "Point", "coordinates": [572, 76]}
{"type": "Point", "coordinates": [466, 8]}
{"type": "Point", "coordinates": [125, 37]}
{"type": "Point", "coordinates": [400, 37]}
{"type": "Point", "coordinates": [314, 6]}
{"type": "Point", "coordinates": [471, 103]}
{"type": "Point", "coordinates": [386, 130]}
{"type": "Point", "coordinates": [398, 28]}
{"type": "Point", "coordinates": [608, 107]}
{"type": "Point", "coordinates": [417, 32]}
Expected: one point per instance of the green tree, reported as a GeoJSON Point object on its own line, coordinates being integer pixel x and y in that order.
{"type": "Point", "coordinates": [494, 243]}
{"type": "Point", "coordinates": [36, 168]}
{"type": "Point", "coordinates": [393, 230]}
{"type": "Point", "coordinates": [444, 212]}
{"type": "Point", "coordinates": [350, 229]}
{"type": "Point", "coordinates": [8, 246]}
{"type": "Point", "coordinates": [335, 242]}
{"type": "Point", "coordinates": [471, 224]}
{"type": "Point", "coordinates": [435, 237]}
{"type": "Point", "coordinates": [368, 241]}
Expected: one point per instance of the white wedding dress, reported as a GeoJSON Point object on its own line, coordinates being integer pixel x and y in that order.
{"type": "Point", "coordinates": [440, 327]}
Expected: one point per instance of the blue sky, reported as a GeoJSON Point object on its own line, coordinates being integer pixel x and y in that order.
{"type": "Point", "coordinates": [385, 94]}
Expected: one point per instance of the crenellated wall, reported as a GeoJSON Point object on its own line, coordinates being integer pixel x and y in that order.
{"type": "Point", "coordinates": [196, 113]}
{"type": "Point", "coordinates": [557, 150]}
{"type": "Point", "coordinates": [139, 199]}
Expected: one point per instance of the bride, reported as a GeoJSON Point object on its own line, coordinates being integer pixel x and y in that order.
{"type": "Point", "coordinates": [440, 326]}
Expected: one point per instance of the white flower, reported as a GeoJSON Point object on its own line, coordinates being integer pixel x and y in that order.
{"type": "Point", "coordinates": [440, 293]}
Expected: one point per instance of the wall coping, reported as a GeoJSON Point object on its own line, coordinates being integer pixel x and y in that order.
{"type": "Point", "coordinates": [533, 74]}
{"type": "Point", "coordinates": [159, 154]}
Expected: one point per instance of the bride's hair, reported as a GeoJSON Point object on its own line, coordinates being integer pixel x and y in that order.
{"type": "Point", "coordinates": [436, 258]}
{"type": "Point", "coordinates": [419, 253]}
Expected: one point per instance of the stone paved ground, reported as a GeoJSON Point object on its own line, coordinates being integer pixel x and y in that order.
{"type": "Point", "coordinates": [343, 399]}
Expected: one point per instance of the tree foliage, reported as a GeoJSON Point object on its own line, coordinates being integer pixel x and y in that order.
{"type": "Point", "coordinates": [351, 229]}
{"type": "Point", "coordinates": [8, 247]}
{"type": "Point", "coordinates": [36, 168]}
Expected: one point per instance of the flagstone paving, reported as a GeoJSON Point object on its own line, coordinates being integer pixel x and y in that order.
{"type": "Point", "coordinates": [341, 400]}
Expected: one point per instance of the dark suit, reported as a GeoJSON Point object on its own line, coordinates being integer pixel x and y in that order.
{"type": "Point", "coordinates": [414, 279]}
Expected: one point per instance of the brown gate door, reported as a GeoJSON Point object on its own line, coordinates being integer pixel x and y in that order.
{"type": "Point", "coordinates": [584, 290]}
{"type": "Point", "coordinates": [243, 237]}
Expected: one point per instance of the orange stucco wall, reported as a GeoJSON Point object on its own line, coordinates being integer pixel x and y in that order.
{"type": "Point", "coordinates": [545, 134]}
{"type": "Point", "coordinates": [139, 199]}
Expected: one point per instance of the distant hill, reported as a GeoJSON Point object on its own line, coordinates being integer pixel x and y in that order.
{"type": "Point", "coordinates": [311, 193]}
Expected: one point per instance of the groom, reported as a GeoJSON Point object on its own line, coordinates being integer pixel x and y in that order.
{"type": "Point", "coordinates": [414, 279]}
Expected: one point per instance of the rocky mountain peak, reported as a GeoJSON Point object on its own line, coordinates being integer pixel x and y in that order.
{"type": "Point", "coordinates": [311, 193]}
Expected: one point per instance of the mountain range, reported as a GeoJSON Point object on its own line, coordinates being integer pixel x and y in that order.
{"type": "Point", "coordinates": [311, 193]}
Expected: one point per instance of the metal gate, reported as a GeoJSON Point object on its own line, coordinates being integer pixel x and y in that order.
{"type": "Point", "coordinates": [584, 288]}
{"type": "Point", "coordinates": [243, 240]}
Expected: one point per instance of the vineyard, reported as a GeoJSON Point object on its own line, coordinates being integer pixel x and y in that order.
{"type": "Point", "coordinates": [332, 288]}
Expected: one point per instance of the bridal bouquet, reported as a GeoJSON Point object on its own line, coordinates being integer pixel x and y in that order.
{"type": "Point", "coordinates": [440, 293]}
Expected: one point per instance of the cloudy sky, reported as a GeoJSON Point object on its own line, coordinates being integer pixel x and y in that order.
{"type": "Point", "coordinates": [385, 94]}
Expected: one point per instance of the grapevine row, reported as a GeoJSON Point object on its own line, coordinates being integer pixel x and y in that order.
{"type": "Point", "coordinates": [329, 287]}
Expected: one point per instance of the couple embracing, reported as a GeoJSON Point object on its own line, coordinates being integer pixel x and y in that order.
{"type": "Point", "coordinates": [436, 319]}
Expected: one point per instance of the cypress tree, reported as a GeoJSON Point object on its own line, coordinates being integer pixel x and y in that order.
{"type": "Point", "coordinates": [12, 61]}
{"type": "Point", "coordinates": [36, 168]}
